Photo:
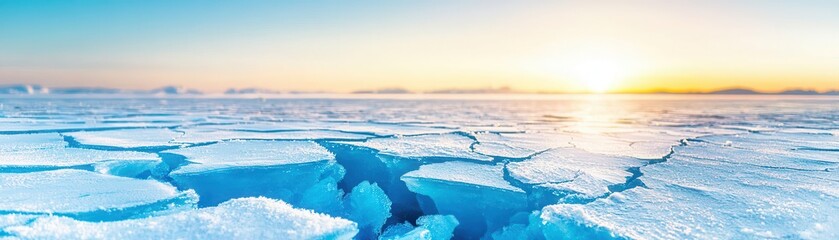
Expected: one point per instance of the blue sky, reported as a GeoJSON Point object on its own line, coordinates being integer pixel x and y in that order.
{"type": "Point", "coordinates": [351, 45]}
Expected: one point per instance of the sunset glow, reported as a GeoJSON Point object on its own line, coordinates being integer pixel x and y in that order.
{"type": "Point", "coordinates": [612, 46]}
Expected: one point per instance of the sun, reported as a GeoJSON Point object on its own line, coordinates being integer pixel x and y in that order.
{"type": "Point", "coordinates": [599, 73]}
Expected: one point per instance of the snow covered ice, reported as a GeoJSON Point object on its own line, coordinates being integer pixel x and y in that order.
{"type": "Point", "coordinates": [282, 170]}
{"type": "Point", "coordinates": [245, 218]}
{"type": "Point", "coordinates": [88, 196]}
{"type": "Point", "coordinates": [559, 168]}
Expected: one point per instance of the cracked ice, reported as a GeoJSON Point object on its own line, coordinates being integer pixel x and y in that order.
{"type": "Point", "coordinates": [418, 169]}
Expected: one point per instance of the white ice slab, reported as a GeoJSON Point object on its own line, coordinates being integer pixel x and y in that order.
{"type": "Point", "coordinates": [771, 158]}
{"type": "Point", "coordinates": [88, 195]}
{"type": "Point", "coordinates": [567, 164]}
{"type": "Point", "coordinates": [519, 145]}
{"type": "Point", "coordinates": [18, 142]}
{"type": "Point", "coordinates": [238, 154]}
{"type": "Point", "coordinates": [55, 158]}
{"type": "Point", "coordinates": [457, 172]}
{"type": "Point", "coordinates": [205, 136]}
{"type": "Point", "coordinates": [246, 218]}
{"type": "Point", "coordinates": [294, 171]}
{"type": "Point", "coordinates": [128, 138]}
{"type": "Point", "coordinates": [691, 198]}
{"type": "Point", "coordinates": [425, 146]}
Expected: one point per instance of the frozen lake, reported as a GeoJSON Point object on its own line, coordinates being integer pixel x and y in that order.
{"type": "Point", "coordinates": [420, 167]}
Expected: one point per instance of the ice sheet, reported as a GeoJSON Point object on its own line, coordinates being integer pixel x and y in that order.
{"type": "Point", "coordinates": [205, 136]}
{"type": "Point", "coordinates": [446, 187]}
{"type": "Point", "coordinates": [286, 170]}
{"type": "Point", "coordinates": [128, 164]}
{"type": "Point", "coordinates": [519, 145]}
{"type": "Point", "coordinates": [130, 139]}
{"type": "Point", "coordinates": [578, 173]}
{"type": "Point", "coordinates": [694, 198]}
{"type": "Point", "coordinates": [246, 218]}
{"type": "Point", "coordinates": [451, 146]}
{"type": "Point", "coordinates": [88, 196]}
{"type": "Point", "coordinates": [20, 142]}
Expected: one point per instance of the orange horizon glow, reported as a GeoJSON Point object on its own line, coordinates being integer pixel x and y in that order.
{"type": "Point", "coordinates": [542, 47]}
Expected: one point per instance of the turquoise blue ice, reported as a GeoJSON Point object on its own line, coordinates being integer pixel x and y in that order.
{"type": "Point", "coordinates": [665, 167]}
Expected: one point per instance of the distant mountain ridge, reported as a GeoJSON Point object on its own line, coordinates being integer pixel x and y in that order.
{"type": "Point", "coordinates": [734, 91]}
{"type": "Point", "coordinates": [745, 91]}
{"type": "Point", "coordinates": [384, 91]}
{"type": "Point", "coordinates": [34, 89]}
{"type": "Point", "coordinates": [232, 91]}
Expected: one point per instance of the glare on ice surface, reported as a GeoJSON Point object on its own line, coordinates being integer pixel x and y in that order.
{"type": "Point", "coordinates": [519, 145]}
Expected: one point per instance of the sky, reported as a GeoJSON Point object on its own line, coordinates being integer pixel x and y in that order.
{"type": "Point", "coordinates": [344, 46]}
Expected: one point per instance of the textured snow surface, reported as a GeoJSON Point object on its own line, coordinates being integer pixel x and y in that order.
{"type": "Point", "coordinates": [287, 170]}
{"type": "Point", "coordinates": [552, 167]}
{"type": "Point", "coordinates": [731, 196]}
{"type": "Point", "coordinates": [245, 218]}
{"type": "Point", "coordinates": [575, 172]}
{"type": "Point", "coordinates": [519, 145]}
{"type": "Point", "coordinates": [129, 164]}
{"type": "Point", "coordinates": [238, 154]}
{"type": "Point", "coordinates": [87, 195]}
{"type": "Point", "coordinates": [128, 139]}
{"type": "Point", "coordinates": [21, 142]}
{"type": "Point", "coordinates": [425, 146]}
{"type": "Point", "coordinates": [479, 175]}
{"type": "Point", "coordinates": [208, 136]}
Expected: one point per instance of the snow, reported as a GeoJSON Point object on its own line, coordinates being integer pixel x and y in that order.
{"type": "Point", "coordinates": [519, 145]}
{"type": "Point", "coordinates": [454, 146]}
{"type": "Point", "coordinates": [246, 218]}
{"type": "Point", "coordinates": [242, 154]}
{"type": "Point", "coordinates": [569, 167]}
{"type": "Point", "coordinates": [689, 197]}
{"type": "Point", "coordinates": [286, 170]}
{"type": "Point", "coordinates": [88, 195]}
{"type": "Point", "coordinates": [128, 164]}
{"type": "Point", "coordinates": [578, 173]}
{"type": "Point", "coordinates": [206, 136]}
{"type": "Point", "coordinates": [775, 158]}
{"type": "Point", "coordinates": [368, 128]}
{"type": "Point", "coordinates": [21, 142]}
{"type": "Point", "coordinates": [136, 139]}
{"type": "Point", "coordinates": [482, 175]}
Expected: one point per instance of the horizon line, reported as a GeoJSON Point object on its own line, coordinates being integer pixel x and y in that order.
{"type": "Point", "coordinates": [174, 89]}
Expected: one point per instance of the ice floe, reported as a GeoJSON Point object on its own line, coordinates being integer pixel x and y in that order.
{"type": "Point", "coordinates": [88, 196]}
{"type": "Point", "coordinates": [278, 169]}
{"type": "Point", "coordinates": [246, 218]}
{"type": "Point", "coordinates": [152, 139]}
{"type": "Point", "coordinates": [688, 197]}
{"type": "Point", "coordinates": [121, 163]}
{"type": "Point", "coordinates": [478, 195]}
